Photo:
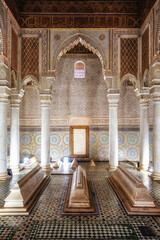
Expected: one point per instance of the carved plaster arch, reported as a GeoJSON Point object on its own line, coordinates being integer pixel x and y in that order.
{"type": "Point", "coordinates": [30, 80]}
{"type": "Point", "coordinates": [131, 78]}
{"type": "Point", "coordinates": [86, 41]}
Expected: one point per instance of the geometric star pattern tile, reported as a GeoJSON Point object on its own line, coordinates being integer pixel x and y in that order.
{"type": "Point", "coordinates": [111, 222]}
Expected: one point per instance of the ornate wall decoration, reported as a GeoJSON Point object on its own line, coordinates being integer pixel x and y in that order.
{"type": "Point", "coordinates": [43, 51]}
{"type": "Point", "coordinates": [129, 56]}
{"type": "Point", "coordinates": [146, 7]}
{"type": "Point", "coordinates": [87, 38]}
{"type": "Point", "coordinates": [83, 43]}
{"type": "Point", "coordinates": [3, 27]}
{"type": "Point", "coordinates": [30, 56]}
{"type": "Point", "coordinates": [79, 21]}
{"type": "Point", "coordinates": [117, 35]}
{"type": "Point", "coordinates": [128, 144]}
{"type": "Point", "coordinates": [14, 51]}
{"type": "Point", "coordinates": [82, 7]}
{"type": "Point", "coordinates": [145, 50]}
{"type": "Point", "coordinates": [157, 29]}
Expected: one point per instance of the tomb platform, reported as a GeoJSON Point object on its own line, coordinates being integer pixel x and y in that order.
{"type": "Point", "coordinates": [25, 193]}
{"type": "Point", "coordinates": [79, 198]}
{"type": "Point", "coordinates": [133, 195]}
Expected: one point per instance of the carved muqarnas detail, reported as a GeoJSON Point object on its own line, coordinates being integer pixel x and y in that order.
{"type": "Point", "coordinates": [83, 43]}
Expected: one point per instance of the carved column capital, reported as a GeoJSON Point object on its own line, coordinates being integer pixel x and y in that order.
{"type": "Point", "coordinates": [155, 91]}
{"type": "Point", "coordinates": [144, 96]}
{"type": "Point", "coordinates": [45, 97]}
{"type": "Point", "coordinates": [113, 97]}
{"type": "Point", "coordinates": [4, 93]}
{"type": "Point", "coordinates": [4, 73]}
{"type": "Point", "coordinates": [16, 97]}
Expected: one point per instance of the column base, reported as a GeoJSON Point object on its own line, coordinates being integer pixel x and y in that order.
{"type": "Point", "coordinates": [4, 176]}
{"type": "Point", "coordinates": [142, 168]}
{"type": "Point", "coordinates": [46, 168]}
{"type": "Point", "coordinates": [155, 176]}
{"type": "Point", "coordinates": [111, 168]}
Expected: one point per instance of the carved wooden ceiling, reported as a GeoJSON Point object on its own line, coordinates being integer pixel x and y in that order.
{"type": "Point", "coordinates": [80, 14]}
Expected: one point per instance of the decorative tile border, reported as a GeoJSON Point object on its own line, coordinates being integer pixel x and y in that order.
{"type": "Point", "coordinates": [128, 144]}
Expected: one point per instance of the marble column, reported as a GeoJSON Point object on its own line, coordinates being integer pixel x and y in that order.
{"type": "Point", "coordinates": [16, 97]}
{"type": "Point", "coordinates": [4, 93]}
{"type": "Point", "coordinates": [113, 99]}
{"type": "Point", "coordinates": [45, 97]}
{"type": "Point", "coordinates": [155, 92]}
{"type": "Point", "coordinates": [144, 131]}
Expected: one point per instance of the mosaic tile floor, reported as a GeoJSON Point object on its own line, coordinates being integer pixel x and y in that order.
{"type": "Point", "coordinates": [112, 222]}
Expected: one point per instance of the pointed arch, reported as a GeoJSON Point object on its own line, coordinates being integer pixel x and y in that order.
{"type": "Point", "coordinates": [129, 80]}
{"type": "Point", "coordinates": [86, 41]}
{"type": "Point", "coordinates": [29, 80]}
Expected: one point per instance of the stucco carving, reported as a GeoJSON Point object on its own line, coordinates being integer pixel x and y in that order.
{"type": "Point", "coordinates": [155, 71]}
{"type": "Point", "coordinates": [87, 41]}
{"type": "Point", "coordinates": [117, 35]}
{"type": "Point", "coordinates": [30, 80]}
{"type": "Point", "coordinates": [131, 78]}
{"type": "Point", "coordinates": [3, 72]}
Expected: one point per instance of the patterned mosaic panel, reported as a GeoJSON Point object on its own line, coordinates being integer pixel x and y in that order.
{"type": "Point", "coordinates": [145, 50]}
{"type": "Point", "coordinates": [129, 56]}
{"type": "Point", "coordinates": [30, 56]}
{"type": "Point", "coordinates": [31, 144]}
{"type": "Point", "coordinates": [14, 53]}
{"type": "Point", "coordinates": [59, 145]}
{"type": "Point", "coordinates": [128, 142]}
{"type": "Point", "coordinates": [99, 145]}
{"type": "Point", "coordinates": [83, 230]}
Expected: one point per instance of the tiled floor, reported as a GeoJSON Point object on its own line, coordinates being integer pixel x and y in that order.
{"type": "Point", "coordinates": [112, 222]}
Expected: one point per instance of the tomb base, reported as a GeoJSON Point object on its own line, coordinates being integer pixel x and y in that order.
{"type": "Point", "coordinates": [25, 193]}
{"type": "Point", "coordinates": [133, 195]}
{"type": "Point", "coordinates": [79, 198]}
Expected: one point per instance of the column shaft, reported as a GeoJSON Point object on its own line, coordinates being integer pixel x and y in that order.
{"type": "Point", "coordinates": [16, 97]}
{"type": "Point", "coordinates": [45, 98]}
{"type": "Point", "coordinates": [144, 136]}
{"type": "Point", "coordinates": [156, 139]}
{"type": "Point", "coordinates": [113, 98]}
{"type": "Point", "coordinates": [113, 137]}
{"type": "Point", "coordinates": [14, 148]}
{"type": "Point", "coordinates": [3, 140]}
{"type": "Point", "coordinates": [45, 138]}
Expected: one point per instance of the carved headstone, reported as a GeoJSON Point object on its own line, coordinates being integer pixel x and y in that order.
{"type": "Point", "coordinates": [92, 163]}
{"type": "Point", "coordinates": [74, 164]}
{"type": "Point", "coordinates": [31, 163]}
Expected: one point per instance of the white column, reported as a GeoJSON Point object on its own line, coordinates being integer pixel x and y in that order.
{"type": "Point", "coordinates": [113, 99]}
{"type": "Point", "coordinates": [155, 91]}
{"type": "Point", "coordinates": [4, 93]}
{"type": "Point", "coordinates": [144, 132]}
{"type": "Point", "coordinates": [15, 142]}
{"type": "Point", "coordinates": [45, 130]}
